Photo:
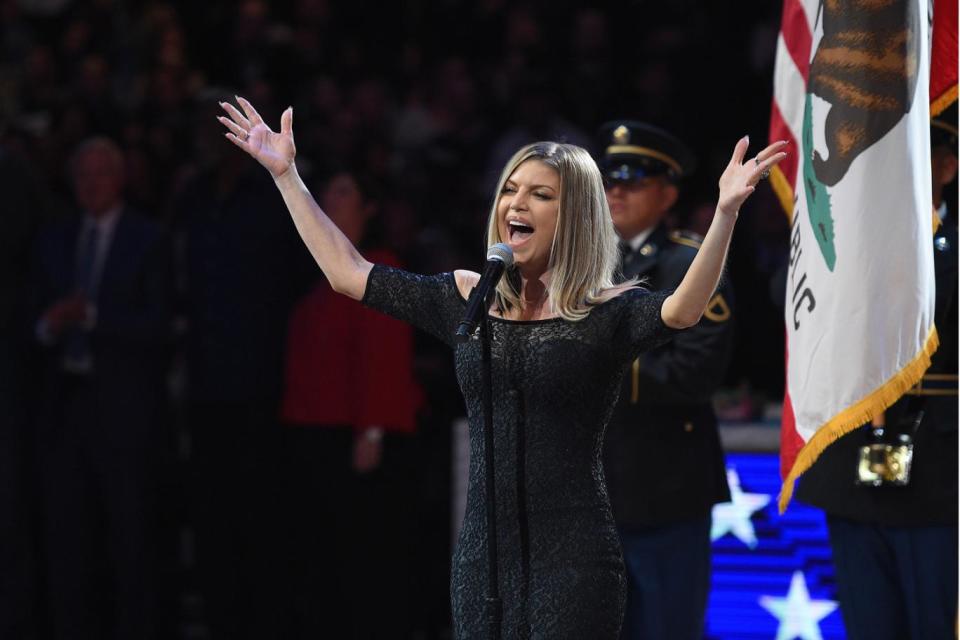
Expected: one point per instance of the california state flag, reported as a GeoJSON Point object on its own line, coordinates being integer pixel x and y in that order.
{"type": "Point", "coordinates": [851, 94]}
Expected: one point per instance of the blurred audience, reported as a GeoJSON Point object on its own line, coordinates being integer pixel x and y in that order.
{"type": "Point", "coordinates": [237, 262]}
{"type": "Point", "coordinates": [25, 209]}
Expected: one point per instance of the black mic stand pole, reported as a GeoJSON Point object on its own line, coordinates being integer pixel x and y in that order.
{"type": "Point", "coordinates": [494, 607]}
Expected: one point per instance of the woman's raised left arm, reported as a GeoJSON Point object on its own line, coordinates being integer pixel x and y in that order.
{"type": "Point", "coordinates": [686, 305]}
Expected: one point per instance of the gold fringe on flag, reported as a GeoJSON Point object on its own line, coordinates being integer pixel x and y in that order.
{"type": "Point", "coordinates": [858, 414]}
{"type": "Point", "coordinates": [945, 99]}
{"type": "Point", "coordinates": [781, 187]}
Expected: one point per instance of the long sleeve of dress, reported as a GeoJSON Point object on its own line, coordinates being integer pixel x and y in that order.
{"type": "Point", "coordinates": [430, 303]}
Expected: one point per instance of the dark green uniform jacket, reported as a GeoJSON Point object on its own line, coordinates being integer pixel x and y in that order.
{"type": "Point", "coordinates": [662, 454]}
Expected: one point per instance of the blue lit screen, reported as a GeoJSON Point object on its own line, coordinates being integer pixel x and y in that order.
{"type": "Point", "coordinates": [772, 574]}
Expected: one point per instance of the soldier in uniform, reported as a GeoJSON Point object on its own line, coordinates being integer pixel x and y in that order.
{"type": "Point", "coordinates": [894, 537]}
{"type": "Point", "coordinates": [662, 457]}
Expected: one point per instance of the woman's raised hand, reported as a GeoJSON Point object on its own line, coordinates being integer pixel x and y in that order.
{"type": "Point", "coordinates": [740, 178]}
{"type": "Point", "coordinates": [247, 130]}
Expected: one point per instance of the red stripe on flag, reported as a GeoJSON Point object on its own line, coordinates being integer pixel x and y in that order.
{"type": "Point", "coordinates": [943, 55]}
{"type": "Point", "coordinates": [795, 31]}
{"type": "Point", "coordinates": [790, 440]}
{"type": "Point", "coordinates": [796, 34]}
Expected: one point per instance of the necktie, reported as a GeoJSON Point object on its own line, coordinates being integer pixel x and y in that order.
{"type": "Point", "coordinates": [78, 357]}
{"type": "Point", "coordinates": [626, 251]}
{"type": "Point", "coordinates": [87, 261]}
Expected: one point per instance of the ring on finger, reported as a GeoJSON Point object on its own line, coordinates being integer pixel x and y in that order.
{"type": "Point", "coordinates": [757, 160]}
{"type": "Point", "coordinates": [765, 174]}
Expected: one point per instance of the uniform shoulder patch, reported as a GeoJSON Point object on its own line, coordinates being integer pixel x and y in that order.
{"type": "Point", "coordinates": [717, 309]}
{"type": "Point", "coordinates": [686, 238]}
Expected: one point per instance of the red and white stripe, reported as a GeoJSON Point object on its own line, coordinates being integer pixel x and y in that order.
{"type": "Point", "coordinates": [786, 118]}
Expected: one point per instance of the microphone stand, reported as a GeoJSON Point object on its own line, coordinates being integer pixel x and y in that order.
{"type": "Point", "coordinates": [494, 608]}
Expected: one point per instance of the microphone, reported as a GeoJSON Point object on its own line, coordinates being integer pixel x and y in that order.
{"type": "Point", "coordinates": [499, 259]}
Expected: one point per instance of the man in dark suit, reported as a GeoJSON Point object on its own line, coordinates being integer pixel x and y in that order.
{"type": "Point", "coordinates": [101, 319]}
{"type": "Point", "coordinates": [662, 457]}
{"type": "Point", "coordinates": [895, 545]}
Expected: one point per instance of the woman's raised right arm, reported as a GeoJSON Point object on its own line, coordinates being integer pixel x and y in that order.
{"type": "Point", "coordinates": [341, 263]}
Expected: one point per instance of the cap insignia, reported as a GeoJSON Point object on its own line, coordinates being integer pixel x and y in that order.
{"type": "Point", "coordinates": [621, 135]}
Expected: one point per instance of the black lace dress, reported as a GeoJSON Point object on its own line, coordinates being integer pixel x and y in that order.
{"type": "Point", "coordinates": [555, 383]}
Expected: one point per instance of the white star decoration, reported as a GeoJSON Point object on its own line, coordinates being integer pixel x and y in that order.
{"type": "Point", "coordinates": [734, 516]}
{"type": "Point", "coordinates": [799, 616]}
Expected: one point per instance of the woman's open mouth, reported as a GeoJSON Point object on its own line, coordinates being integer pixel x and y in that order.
{"type": "Point", "coordinates": [518, 231]}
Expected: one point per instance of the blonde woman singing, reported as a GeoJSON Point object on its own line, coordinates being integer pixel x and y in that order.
{"type": "Point", "coordinates": [562, 336]}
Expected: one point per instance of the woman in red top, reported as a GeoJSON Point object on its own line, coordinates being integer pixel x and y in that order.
{"type": "Point", "coordinates": [349, 405]}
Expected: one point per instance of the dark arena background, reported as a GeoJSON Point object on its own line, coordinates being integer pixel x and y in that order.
{"type": "Point", "coordinates": [421, 103]}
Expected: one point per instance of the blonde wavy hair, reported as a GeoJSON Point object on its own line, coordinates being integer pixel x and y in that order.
{"type": "Point", "coordinates": [584, 255]}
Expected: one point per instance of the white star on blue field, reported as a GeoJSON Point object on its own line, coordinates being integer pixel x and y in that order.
{"type": "Point", "coordinates": [799, 616]}
{"type": "Point", "coordinates": [735, 516]}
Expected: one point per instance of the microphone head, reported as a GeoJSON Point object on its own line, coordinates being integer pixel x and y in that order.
{"type": "Point", "coordinates": [501, 252]}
